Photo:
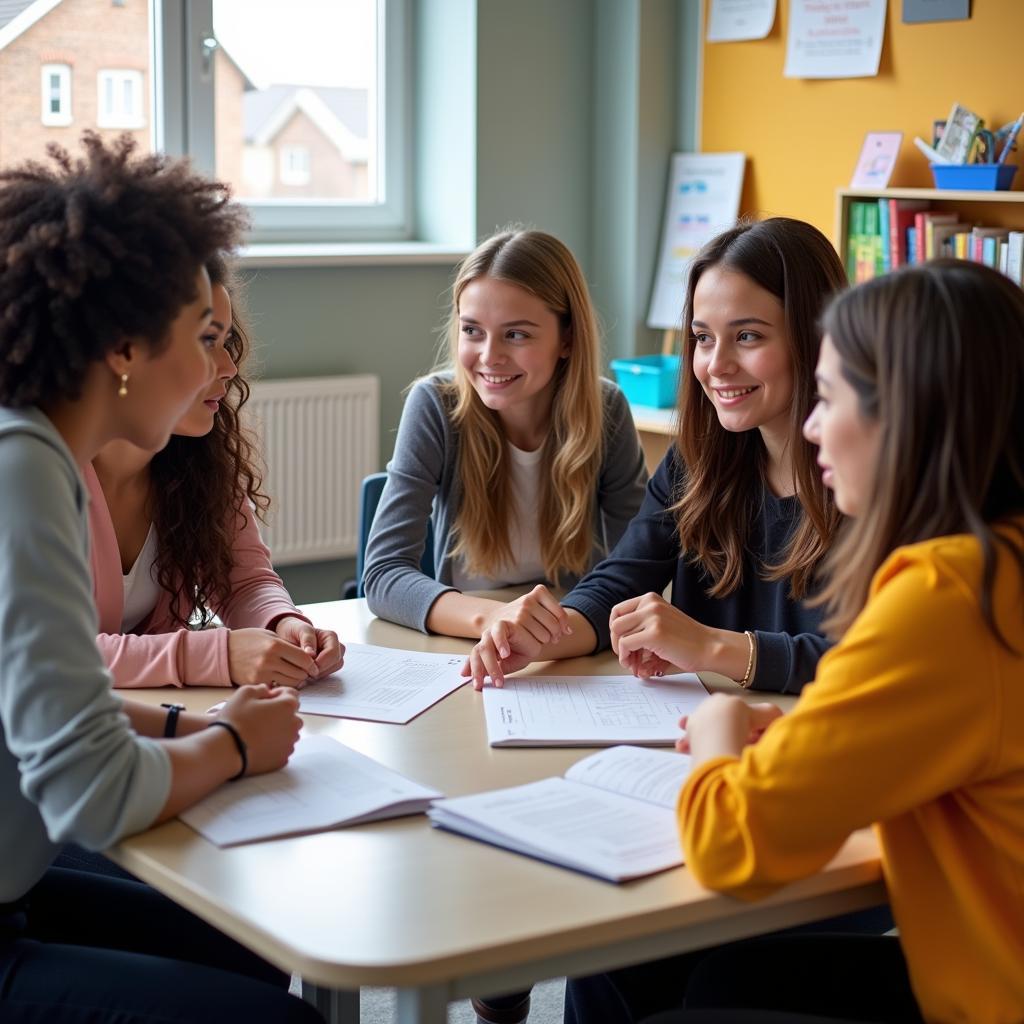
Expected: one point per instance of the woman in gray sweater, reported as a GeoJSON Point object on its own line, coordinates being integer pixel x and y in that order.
{"type": "Point", "coordinates": [106, 301]}
{"type": "Point", "coordinates": [524, 458]}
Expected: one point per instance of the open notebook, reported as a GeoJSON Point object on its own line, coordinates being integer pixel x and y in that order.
{"type": "Point", "coordinates": [325, 784]}
{"type": "Point", "coordinates": [612, 815]}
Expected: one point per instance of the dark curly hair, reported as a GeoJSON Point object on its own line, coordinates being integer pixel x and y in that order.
{"type": "Point", "coordinates": [96, 250]}
{"type": "Point", "coordinates": [199, 487]}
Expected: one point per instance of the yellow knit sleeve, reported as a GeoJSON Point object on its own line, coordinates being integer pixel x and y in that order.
{"type": "Point", "coordinates": [901, 711]}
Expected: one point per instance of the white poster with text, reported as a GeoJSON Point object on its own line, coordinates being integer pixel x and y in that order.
{"type": "Point", "coordinates": [835, 38]}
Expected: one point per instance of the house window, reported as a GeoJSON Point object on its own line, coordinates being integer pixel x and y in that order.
{"type": "Point", "coordinates": [120, 99]}
{"type": "Point", "coordinates": [294, 165]}
{"type": "Point", "coordinates": [56, 95]}
{"type": "Point", "coordinates": [262, 90]}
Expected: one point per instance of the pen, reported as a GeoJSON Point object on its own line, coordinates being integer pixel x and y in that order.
{"type": "Point", "coordinates": [1010, 139]}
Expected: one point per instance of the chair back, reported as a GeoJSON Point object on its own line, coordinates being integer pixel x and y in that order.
{"type": "Point", "coordinates": [369, 499]}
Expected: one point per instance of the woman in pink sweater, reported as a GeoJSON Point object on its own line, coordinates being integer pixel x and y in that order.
{"type": "Point", "coordinates": [175, 541]}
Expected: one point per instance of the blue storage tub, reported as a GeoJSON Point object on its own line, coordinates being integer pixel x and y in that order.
{"type": "Point", "coordinates": [649, 380]}
{"type": "Point", "coordinates": [982, 177]}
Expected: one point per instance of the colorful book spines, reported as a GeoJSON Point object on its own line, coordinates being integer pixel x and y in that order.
{"type": "Point", "coordinates": [887, 233]}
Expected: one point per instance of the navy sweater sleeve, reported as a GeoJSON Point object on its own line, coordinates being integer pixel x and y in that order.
{"type": "Point", "coordinates": [643, 560]}
{"type": "Point", "coordinates": [789, 641]}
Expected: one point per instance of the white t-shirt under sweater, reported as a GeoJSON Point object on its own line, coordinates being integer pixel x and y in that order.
{"type": "Point", "coordinates": [141, 590]}
{"type": "Point", "coordinates": [527, 566]}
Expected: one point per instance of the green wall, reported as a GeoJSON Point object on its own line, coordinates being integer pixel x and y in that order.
{"type": "Point", "coordinates": [560, 115]}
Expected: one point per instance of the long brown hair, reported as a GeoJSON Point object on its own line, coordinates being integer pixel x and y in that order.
{"type": "Point", "coordinates": [199, 487]}
{"type": "Point", "coordinates": [725, 472]}
{"type": "Point", "coordinates": [936, 356]}
{"type": "Point", "coordinates": [571, 460]}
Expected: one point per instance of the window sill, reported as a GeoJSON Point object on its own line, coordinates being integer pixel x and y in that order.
{"type": "Point", "coordinates": [272, 255]}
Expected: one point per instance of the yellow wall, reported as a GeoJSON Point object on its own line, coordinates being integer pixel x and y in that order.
{"type": "Point", "coordinates": [802, 137]}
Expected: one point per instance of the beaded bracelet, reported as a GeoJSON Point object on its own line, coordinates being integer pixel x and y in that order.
{"type": "Point", "coordinates": [243, 751]}
{"type": "Point", "coordinates": [748, 676]}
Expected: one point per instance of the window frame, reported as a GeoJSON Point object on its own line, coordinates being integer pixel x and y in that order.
{"type": "Point", "coordinates": [183, 89]}
{"type": "Point", "coordinates": [65, 116]}
{"type": "Point", "coordinates": [120, 118]}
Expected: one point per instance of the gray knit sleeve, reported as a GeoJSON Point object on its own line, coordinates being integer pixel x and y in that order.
{"type": "Point", "coordinates": [396, 587]}
{"type": "Point", "coordinates": [90, 777]}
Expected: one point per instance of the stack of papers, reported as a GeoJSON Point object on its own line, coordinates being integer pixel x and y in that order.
{"type": "Point", "coordinates": [381, 684]}
{"type": "Point", "coordinates": [589, 711]}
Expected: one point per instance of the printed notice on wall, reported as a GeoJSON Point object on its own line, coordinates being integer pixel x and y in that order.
{"type": "Point", "coordinates": [703, 199]}
{"type": "Point", "coordinates": [734, 20]}
{"type": "Point", "coordinates": [835, 38]}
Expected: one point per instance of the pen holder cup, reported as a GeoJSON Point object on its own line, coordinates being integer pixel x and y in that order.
{"type": "Point", "coordinates": [649, 380]}
{"type": "Point", "coordinates": [979, 177]}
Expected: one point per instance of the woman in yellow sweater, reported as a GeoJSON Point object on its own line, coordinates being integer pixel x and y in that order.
{"type": "Point", "coordinates": [915, 720]}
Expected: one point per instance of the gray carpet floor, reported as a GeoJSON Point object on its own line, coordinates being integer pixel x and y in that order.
{"type": "Point", "coordinates": [377, 1005]}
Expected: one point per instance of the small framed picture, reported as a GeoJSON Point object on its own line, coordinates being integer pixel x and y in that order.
{"type": "Point", "coordinates": [877, 159]}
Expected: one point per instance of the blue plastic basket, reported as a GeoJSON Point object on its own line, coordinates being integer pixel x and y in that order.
{"type": "Point", "coordinates": [649, 380]}
{"type": "Point", "coordinates": [982, 177]}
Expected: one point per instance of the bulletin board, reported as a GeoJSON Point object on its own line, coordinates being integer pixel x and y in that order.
{"type": "Point", "coordinates": [803, 136]}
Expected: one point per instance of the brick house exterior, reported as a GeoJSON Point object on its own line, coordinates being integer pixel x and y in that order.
{"type": "Point", "coordinates": [68, 65]}
{"type": "Point", "coordinates": [324, 131]}
{"type": "Point", "coordinates": [86, 36]}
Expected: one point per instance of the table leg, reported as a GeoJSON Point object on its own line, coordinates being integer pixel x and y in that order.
{"type": "Point", "coordinates": [426, 1005]}
{"type": "Point", "coordinates": [337, 1006]}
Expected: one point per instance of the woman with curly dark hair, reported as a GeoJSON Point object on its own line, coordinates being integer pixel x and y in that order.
{"type": "Point", "coordinates": [106, 304]}
{"type": "Point", "coordinates": [175, 540]}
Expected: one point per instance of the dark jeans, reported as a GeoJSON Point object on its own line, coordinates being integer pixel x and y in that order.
{"type": "Point", "coordinates": [859, 979]}
{"type": "Point", "coordinates": [78, 859]}
{"type": "Point", "coordinates": [82, 948]}
{"type": "Point", "coordinates": [630, 994]}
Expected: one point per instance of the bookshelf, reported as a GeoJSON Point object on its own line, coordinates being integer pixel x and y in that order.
{"type": "Point", "coordinates": [998, 209]}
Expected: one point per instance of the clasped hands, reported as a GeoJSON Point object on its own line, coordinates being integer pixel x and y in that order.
{"type": "Point", "coordinates": [649, 635]}
{"type": "Point", "coordinates": [290, 654]}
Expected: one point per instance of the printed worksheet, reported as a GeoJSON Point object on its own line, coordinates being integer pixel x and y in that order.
{"type": "Point", "coordinates": [589, 711]}
{"type": "Point", "coordinates": [612, 815]}
{"type": "Point", "coordinates": [381, 684]}
{"type": "Point", "coordinates": [325, 784]}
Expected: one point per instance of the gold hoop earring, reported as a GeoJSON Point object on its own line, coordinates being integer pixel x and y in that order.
{"type": "Point", "coordinates": [123, 389]}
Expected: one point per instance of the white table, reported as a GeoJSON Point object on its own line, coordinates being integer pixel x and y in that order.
{"type": "Point", "coordinates": [438, 916]}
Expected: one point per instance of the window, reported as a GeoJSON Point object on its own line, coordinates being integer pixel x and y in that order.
{"type": "Point", "coordinates": [56, 96]}
{"type": "Point", "coordinates": [303, 110]}
{"type": "Point", "coordinates": [119, 99]}
{"type": "Point", "coordinates": [295, 165]}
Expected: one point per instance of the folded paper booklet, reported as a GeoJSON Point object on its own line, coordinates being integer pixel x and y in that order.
{"type": "Point", "coordinates": [589, 711]}
{"type": "Point", "coordinates": [612, 815]}
{"type": "Point", "coordinates": [325, 784]}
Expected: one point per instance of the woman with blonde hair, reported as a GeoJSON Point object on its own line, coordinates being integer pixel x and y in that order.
{"type": "Point", "coordinates": [525, 458]}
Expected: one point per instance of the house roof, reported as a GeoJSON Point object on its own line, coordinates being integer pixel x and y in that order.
{"type": "Point", "coordinates": [18, 15]}
{"type": "Point", "coordinates": [262, 108]}
{"type": "Point", "coordinates": [10, 9]}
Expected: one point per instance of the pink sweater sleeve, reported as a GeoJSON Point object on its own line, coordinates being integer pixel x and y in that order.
{"type": "Point", "coordinates": [184, 657]}
{"type": "Point", "coordinates": [161, 653]}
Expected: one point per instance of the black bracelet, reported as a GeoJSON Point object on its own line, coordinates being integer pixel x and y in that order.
{"type": "Point", "coordinates": [171, 725]}
{"type": "Point", "coordinates": [243, 751]}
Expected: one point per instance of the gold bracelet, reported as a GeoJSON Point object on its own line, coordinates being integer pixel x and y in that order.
{"type": "Point", "coordinates": [748, 676]}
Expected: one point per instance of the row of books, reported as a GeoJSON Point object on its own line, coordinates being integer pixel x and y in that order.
{"type": "Point", "coordinates": [887, 233]}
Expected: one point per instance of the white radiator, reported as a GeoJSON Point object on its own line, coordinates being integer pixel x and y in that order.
{"type": "Point", "coordinates": [319, 438]}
